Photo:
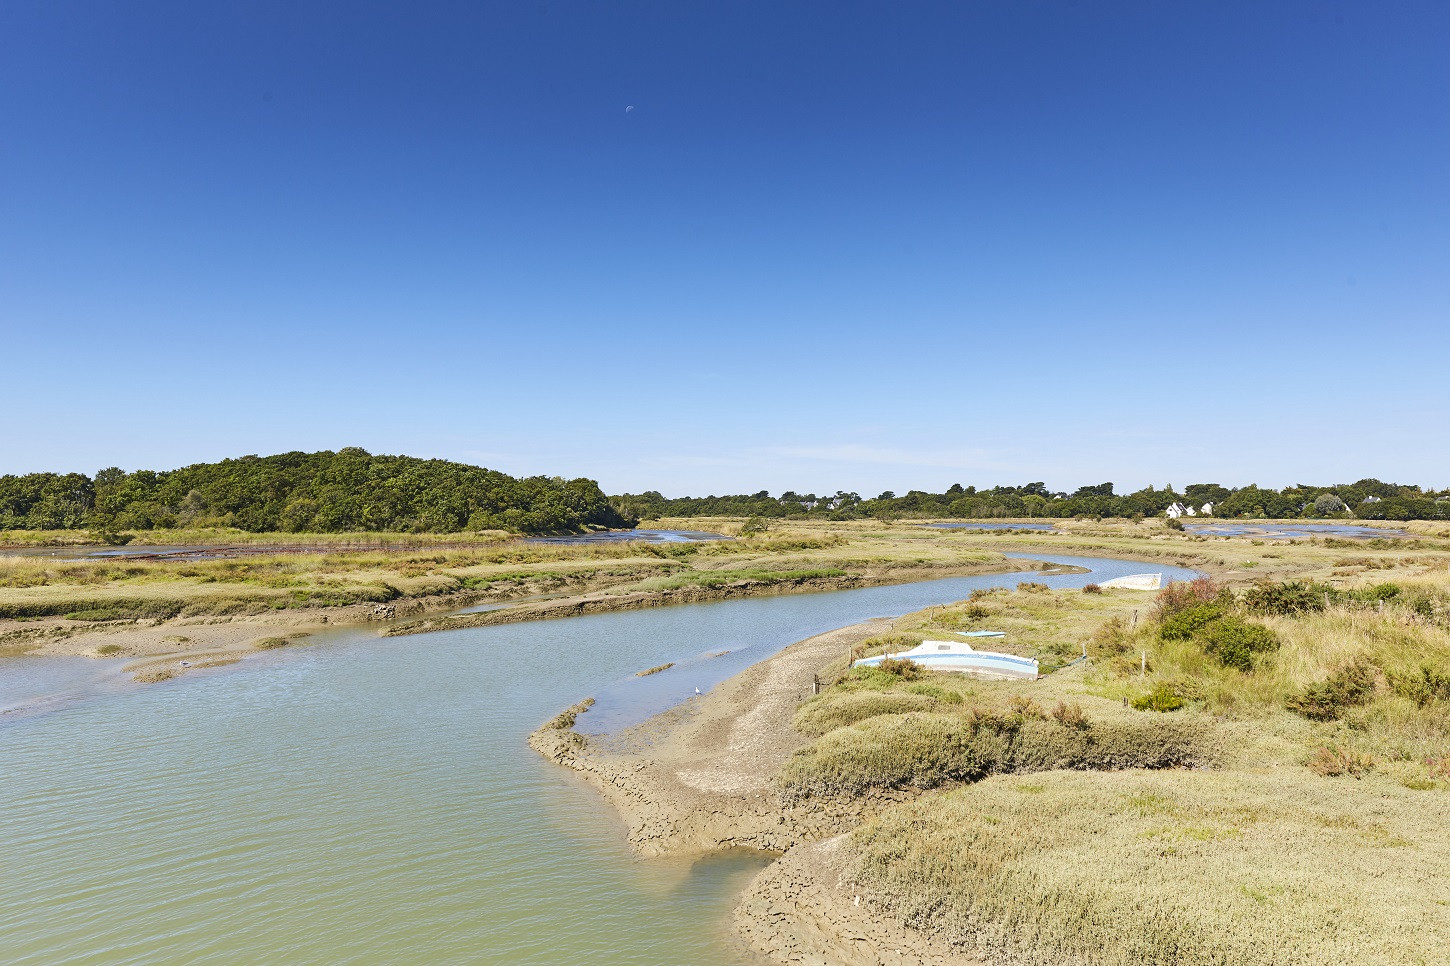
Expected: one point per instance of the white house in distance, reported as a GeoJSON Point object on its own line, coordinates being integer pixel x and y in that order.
{"type": "Point", "coordinates": [961, 657]}
{"type": "Point", "coordinates": [1184, 510]}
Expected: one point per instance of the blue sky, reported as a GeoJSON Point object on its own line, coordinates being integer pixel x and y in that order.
{"type": "Point", "coordinates": [859, 246]}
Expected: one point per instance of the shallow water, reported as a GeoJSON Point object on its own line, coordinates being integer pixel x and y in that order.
{"type": "Point", "coordinates": [1293, 531]}
{"type": "Point", "coordinates": [367, 799]}
{"type": "Point", "coordinates": [644, 536]}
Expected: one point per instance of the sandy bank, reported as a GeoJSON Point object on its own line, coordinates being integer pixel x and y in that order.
{"type": "Point", "coordinates": [804, 908]}
{"type": "Point", "coordinates": [700, 777]}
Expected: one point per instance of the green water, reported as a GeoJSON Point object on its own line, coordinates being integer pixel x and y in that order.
{"type": "Point", "coordinates": [372, 800]}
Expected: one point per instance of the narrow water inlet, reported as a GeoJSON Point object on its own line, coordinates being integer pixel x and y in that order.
{"type": "Point", "coordinates": [362, 799]}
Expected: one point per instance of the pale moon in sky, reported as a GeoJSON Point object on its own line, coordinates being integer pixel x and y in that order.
{"type": "Point", "coordinates": [629, 108]}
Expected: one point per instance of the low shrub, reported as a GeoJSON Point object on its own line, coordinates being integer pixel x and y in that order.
{"type": "Point", "coordinates": [906, 670]}
{"type": "Point", "coordinates": [1289, 597]}
{"type": "Point", "coordinates": [839, 709]}
{"type": "Point", "coordinates": [1348, 687]}
{"type": "Point", "coordinates": [1181, 595]}
{"type": "Point", "coordinates": [944, 695]}
{"type": "Point", "coordinates": [890, 643]}
{"type": "Point", "coordinates": [1033, 587]}
{"type": "Point", "coordinates": [1331, 761]}
{"type": "Point", "coordinates": [1422, 686]}
{"type": "Point", "coordinates": [1024, 707]}
{"type": "Point", "coordinates": [1112, 637]}
{"type": "Point", "coordinates": [930, 749]}
{"type": "Point", "coordinates": [1091, 589]}
{"type": "Point", "coordinates": [102, 614]}
{"type": "Point", "coordinates": [1070, 715]}
{"type": "Point", "coordinates": [1375, 594]}
{"type": "Point", "coordinates": [1163, 697]}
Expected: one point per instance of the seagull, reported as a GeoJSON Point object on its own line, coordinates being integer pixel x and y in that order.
{"type": "Point", "coordinates": [697, 690]}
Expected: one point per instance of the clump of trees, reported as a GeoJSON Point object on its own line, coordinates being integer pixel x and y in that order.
{"type": "Point", "coordinates": [326, 492]}
{"type": "Point", "coordinates": [1368, 499]}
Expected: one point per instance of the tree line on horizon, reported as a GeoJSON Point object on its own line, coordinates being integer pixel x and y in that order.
{"type": "Point", "coordinates": [353, 490]}
{"type": "Point", "coordinates": [1368, 499]}
{"type": "Point", "coordinates": [346, 491]}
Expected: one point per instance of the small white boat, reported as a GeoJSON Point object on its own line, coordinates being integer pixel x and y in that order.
{"type": "Point", "coordinates": [962, 658]}
{"type": "Point", "coordinates": [1136, 582]}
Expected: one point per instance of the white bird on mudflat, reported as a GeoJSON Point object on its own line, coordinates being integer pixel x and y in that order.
{"type": "Point", "coordinates": [697, 690]}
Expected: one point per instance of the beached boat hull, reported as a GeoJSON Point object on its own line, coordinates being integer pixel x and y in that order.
{"type": "Point", "coordinates": [961, 658]}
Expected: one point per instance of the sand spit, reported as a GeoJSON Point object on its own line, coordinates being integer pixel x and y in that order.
{"type": "Point", "coordinates": [699, 778]}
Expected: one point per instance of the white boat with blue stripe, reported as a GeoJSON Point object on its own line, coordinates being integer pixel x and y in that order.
{"type": "Point", "coordinates": [962, 658]}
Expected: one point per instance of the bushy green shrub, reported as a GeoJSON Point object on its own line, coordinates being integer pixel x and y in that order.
{"type": "Point", "coordinates": [1375, 594]}
{"type": "Point", "coordinates": [1236, 642]}
{"type": "Point", "coordinates": [1346, 688]}
{"type": "Point", "coordinates": [1289, 597]}
{"type": "Point", "coordinates": [1423, 686]}
{"type": "Point", "coordinates": [1183, 624]}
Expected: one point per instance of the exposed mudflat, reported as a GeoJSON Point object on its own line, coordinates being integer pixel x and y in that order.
{"type": "Point", "coordinates": [700, 778]}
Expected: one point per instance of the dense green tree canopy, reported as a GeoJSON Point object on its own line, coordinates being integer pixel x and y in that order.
{"type": "Point", "coordinates": [308, 492]}
{"type": "Point", "coordinates": [1366, 499]}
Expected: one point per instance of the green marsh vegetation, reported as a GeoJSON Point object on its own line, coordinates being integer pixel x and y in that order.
{"type": "Point", "coordinates": [350, 570]}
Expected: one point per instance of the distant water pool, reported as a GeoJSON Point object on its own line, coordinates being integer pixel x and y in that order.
{"type": "Point", "coordinates": [646, 536]}
{"type": "Point", "coordinates": [1293, 531]}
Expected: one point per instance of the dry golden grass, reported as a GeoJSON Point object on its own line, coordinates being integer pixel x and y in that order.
{"type": "Point", "coordinates": [1171, 867]}
{"type": "Point", "coordinates": [1312, 841]}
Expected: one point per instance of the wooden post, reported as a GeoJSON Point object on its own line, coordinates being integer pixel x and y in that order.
{"type": "Point", "coordinates": [1143, 664]}
{"type": "Point", "coordinates": [1135, 618]}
